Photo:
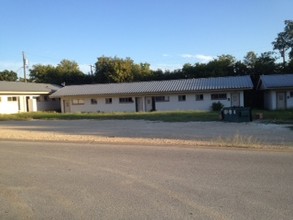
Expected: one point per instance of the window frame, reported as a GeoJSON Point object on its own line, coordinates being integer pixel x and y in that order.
{"type": "Point", "coordinates": [219, 96]}
{"type": "Point", "coordinates": [199, 97]}
{"type": "Point", "coordinates": [125, 100]}
{"type": "Point", "coordinates": [181, 98]}
{"type": "Point", "coordinates": [108, 100]}
{"type": "Point", "coordinates": [12, 99]}
{"type": "Point", "coordinates": [94, 101]}
{"type": "Point", "coordinates": [77, 102]}
{"type": "Point", "coordinates": [162, 98]}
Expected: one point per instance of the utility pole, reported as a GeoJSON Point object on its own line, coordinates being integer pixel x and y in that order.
{"type": "Point", "coordinates": [24, 66]}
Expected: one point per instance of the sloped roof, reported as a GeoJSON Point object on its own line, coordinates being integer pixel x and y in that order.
{"type": "Point", "coordinates": [157, 87]}
{"type": "Point", "coordinates": [22, 87]}
{"type": "Point", "coordinates": [276, 81]}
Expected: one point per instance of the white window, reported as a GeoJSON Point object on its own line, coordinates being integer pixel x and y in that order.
{"type": "Point", "coordinates": [125, 100]}
{"type": "Point", "coordinates": [219, 96]}
{"type": "Point", "coordinates": [12, 99]}
{"type": "Point", "coordinates": [77, 101]}
{"type": "Point", "coordinates": [182, 98]}
{"type": "Point", "coordinates": [108, 100]}
{"type": "Point", "coordinates": [94, 101]}
{"type": "Point", "coordinates": [199, 97]}
{"type": "Point", "coordinates": [162, 98]}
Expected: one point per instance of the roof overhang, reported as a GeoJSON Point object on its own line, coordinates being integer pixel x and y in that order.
{"type": "Point", "coordinates": [152, 93]}
{"type": "Point", "coordinates": [278, 88]}
{"type": "Point", "coordinates": [22, 93]}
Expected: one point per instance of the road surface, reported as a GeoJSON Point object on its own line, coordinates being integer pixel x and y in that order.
{"type": "Point", "coordinates": [40, 180]}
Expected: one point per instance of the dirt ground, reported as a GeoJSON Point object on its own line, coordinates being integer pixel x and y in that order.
{"type": "Point", "coordinates": [253, 134]}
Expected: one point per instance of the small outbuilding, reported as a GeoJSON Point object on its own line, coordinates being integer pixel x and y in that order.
{"type": "Point", "coordinates": [169, 95]}
{"type": "Point", "coordinates": [278, 91]}
{"type": "Point", "coordinates": [18, 97]}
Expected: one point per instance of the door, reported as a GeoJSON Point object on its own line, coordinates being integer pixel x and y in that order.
{"type": "Point", "coordinates": [281, 100]}
{"type": "Point", "coordinates": [138, 104]}
{"type": "Point", "coordinates": [235, 99]}
{"type": "Point", "coordinates": [150, 104]}
{"type": "Point", "coordinates": [66, 105]}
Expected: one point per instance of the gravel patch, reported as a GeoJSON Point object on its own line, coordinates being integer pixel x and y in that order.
{"type": "Point", "coordinates": [140, 131]}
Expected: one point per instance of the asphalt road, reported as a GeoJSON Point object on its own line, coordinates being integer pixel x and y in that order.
{"type": "Point", "coordinates": [75, 181]}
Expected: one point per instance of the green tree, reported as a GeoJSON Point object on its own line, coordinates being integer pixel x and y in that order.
{"type": "Point", "coordinates": [223, 66]}
{"type": "Point", "coordinates": [122, 70]}
{"type": "Point", "coordinates": [281, 44]}
{"type": "Point", "coordinates": [188, 71]}
{"type": "Point", "coordinates": [7, 75]}
{"type": "Point", "coordinates": [66, 72]}
{"type": "Point", "coordinates": [68, 66]}
{"type": "Point", "coordinates": [266, 64]}
{"type": "Point", "coordinates": [44, 74]}
{"type": "Point", "coordinates": [249, 61]}
{"type": "Point", "coordinates": [289, 67]}
{"type": "Point", "coordinates": [142, 72]}
{"type": "Point", "coordinates": [240, 68]}
{"type": "Point", "coordinates": [289, 35]}
{"type": "Point", "coordinates": [284, 41]}
{"type": "Point", "coordinates": [202, 70]}
{"type": "Point", "coordinates": [117, 70]}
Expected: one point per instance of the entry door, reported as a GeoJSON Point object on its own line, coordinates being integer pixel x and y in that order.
{"type": "Point", "coordinates": [235, 99]}
{"type": "Point", "coordinates": [139, 104]}
{"type": "Point", "coordinates": [66, 105]}
{"type": "Point", "coordinates": [149, 104]}
{"type": "Point", "coordinates": [281, 100]}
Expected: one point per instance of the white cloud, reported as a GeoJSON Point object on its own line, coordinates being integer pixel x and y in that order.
{"type": "Point", "coordinates": [203, 58]}
{"type": "Point", "coordinates": [166, 55]}
{"type": "Point", "coordinates": [198, 57]}
{"type": "Point", "coordinates": [188, 56]}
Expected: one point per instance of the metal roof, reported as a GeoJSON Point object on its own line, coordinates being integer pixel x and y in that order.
{"type": "Point", "coordinates": [22, 87]}
{"type": "Point", "coordinates": [158, 87]}
{"type": "Point", "coordinates": [276, 81]}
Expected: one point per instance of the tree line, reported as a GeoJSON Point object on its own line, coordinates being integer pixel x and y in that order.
{"type": "Point", "coordinates": [117, 70]}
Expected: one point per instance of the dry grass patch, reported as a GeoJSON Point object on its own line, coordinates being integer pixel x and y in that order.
{"type": "Point", "coordinates": [239, 140]}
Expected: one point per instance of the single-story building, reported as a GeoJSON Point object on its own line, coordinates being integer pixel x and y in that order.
{"type": "Point", "coordinates": [182, 94]}
{"type": "Point", "coordinates": [278, 91]}
{"type": "Point", "coordinates": [18, 97]}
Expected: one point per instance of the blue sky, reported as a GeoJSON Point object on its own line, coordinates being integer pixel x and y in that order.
{"type": "Point", "coordinates": [164, 33]}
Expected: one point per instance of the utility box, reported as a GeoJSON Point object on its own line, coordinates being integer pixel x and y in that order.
{"type": "Point", "coordinates": [236, 114]}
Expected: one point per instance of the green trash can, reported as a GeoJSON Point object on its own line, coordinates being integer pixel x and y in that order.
{"type": "Point", "coordinates": [236, 114]}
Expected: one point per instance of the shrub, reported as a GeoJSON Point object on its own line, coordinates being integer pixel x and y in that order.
{"type": "Point", "coordinates": [217, 106]}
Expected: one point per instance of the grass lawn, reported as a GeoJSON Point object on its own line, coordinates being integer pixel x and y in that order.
{"type": "Point", "coordinates": [285, 116]}
{"type": "Point", "coordinates": [279, 116]}
{"type": "Point", "coordinates": [151, 116]}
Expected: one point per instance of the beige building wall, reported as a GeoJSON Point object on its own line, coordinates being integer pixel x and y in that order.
{"type": "Point", "coordinates": [172, 103]}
